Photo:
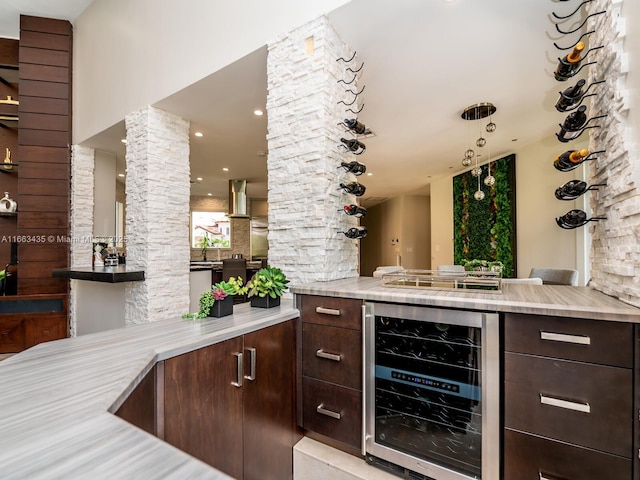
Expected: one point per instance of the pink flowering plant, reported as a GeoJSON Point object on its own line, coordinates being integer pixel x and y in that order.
{"type": "Point", "coordinates": [218, 292]}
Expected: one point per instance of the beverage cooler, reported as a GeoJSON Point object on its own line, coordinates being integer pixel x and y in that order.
{"type": "Point", "coordinates": [432, 392]}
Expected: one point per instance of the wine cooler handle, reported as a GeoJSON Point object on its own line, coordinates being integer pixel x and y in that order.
{"type": "Point", "coordinates": [328, 311]}
{"type": "Point", "coordinates": [239, 370]}
{"type": "Point", "coordinates": [329, 413]}
{"type": "Point", "coordinates": [557, 402]}
{"type": "Point", "coordinates": [252, 364]}
{"type": "Point", "coordinates": [329, 356]}
{"type": "Point", "coordinates": [363, 445]}
{"type": "Point", "coordinates": [563, 337]}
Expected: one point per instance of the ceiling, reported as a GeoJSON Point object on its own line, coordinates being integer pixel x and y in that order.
{"type": "Point", "coordinates": [424, 62]}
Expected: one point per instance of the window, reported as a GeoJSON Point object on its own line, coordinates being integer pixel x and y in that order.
{"type": "Point", "coordinates": [214, 226]}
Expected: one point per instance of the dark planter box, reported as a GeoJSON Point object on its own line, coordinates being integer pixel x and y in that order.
{"type": "Point", "coordinates": [265, 302]}
{"type": "Point", "coordinates": [222, 308]}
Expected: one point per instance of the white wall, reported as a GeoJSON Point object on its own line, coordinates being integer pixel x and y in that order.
{"type": "Point", "coordinates": [128, 54]}
{"type": "Point", "coordinates": [104, 210]}
{"type": "Point", "coordinates": [540, 242]}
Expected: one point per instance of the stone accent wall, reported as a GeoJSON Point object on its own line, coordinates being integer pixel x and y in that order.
{"type": "Point", "coordinates": [81, 219]}
{"type": "Point", "coordinates": [615, 256]}
{"type": "Point", "coordinates": [304, 153]}
{"type": "Point", "coordinates": [157, 187]}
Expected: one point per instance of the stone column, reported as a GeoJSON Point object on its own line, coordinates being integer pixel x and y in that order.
{"type": "Point", "coordinates": [157, 218]}
{"type": "Point", "coordinates": [304, 154]}
{"type": "Point", "coordinates": [615, 257]}
{"type": "Point", "coordinates": [81, 220]}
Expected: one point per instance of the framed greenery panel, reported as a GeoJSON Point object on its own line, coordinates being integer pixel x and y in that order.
{"type": "Point", "coordinates": [486, 229]}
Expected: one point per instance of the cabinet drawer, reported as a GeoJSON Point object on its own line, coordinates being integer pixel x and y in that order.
{"type": "Point", "coordinates": [334, 401]}
{"type": "Point", "coordinates": [596, 341]}
{"type": "Point", "coordinates": [332, 354]}
{"type": "Point", "coordinates": [527, 457]}
{"type": "Point", "coordinates": [11, 335]}
{"type": "Point", "coordinates": [336, 312]}
{"type": "Point", "coordinates": [580, 403]}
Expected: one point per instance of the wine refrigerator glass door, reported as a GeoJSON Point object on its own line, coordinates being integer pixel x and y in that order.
{"type": "Point", "coordinates": [432, 391]}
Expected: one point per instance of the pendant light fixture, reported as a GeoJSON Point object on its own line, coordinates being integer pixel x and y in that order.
{"type": "Point", "coordinates": [476, 112]}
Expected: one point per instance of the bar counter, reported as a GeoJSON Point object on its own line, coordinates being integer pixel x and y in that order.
{"type": "Point", "coordinates": [57, 400]}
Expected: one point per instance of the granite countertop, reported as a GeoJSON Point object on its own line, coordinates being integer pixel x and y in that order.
{"type": "Point", "coordinates": [558, 300]}
{"type": "Point", "coordinates": [57, 400]}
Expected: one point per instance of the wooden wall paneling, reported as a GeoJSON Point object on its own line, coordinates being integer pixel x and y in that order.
{"type": "Point", "coordinates": [9, 52]}
{"type": "Point", "coordinates": [45, 57]}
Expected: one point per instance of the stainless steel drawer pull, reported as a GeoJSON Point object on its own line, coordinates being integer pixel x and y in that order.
{"type": "Point", "coordinates": [329, 356]}
{"type": "Point", "coordinates": [252, 364]}
{"type": "Point", "coordinates": [328, 311]}
{"type": "Point", "coordinates": [239, 370]}
{"type": "Point", "coordinates": [329, 413]}
{"type": "Point", "coordinates": [563, 337]}
{"type": "Point", "coordinates": [557, 402]}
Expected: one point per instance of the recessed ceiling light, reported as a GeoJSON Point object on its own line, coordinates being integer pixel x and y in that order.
{"type": "Point", "coordinates": [210, 194]}
{"type": "Point", "coordinates": [258, 113]}
{"type": "Point", "coordinates": [123, 140]}
{"type": "Point", "coordinates": [199, 179]}
{"type": "Point", "coordinates": [369, 174]}
{"type": "Point", "coordinates": [199, 134]}
{"type": "Point", "coordinates": [121, 175]}
{"type": "Point", "coordinates": [225, 169]}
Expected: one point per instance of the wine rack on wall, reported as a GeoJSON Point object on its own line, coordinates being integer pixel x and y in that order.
{"type": "Point", "coordinates": [570, 101]}
{"type": "Point", "coordinates": [352, 144]}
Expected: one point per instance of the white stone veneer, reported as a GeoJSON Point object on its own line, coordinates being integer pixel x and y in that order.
{"type": "Point", "coordinates": [157, 189]}
{"type": "Point", "coordinates": [81, 219]}
{"type": "Point", "coordinates": [615, 256]}
{"type": "Point", "coordinates": [304, 155]}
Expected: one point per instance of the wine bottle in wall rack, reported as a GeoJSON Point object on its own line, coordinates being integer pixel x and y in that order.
{"type": "Point", "coordinates": [354, 188]}
{"type": "Point", "coordinates": [356, 232]}
{"type": "Point", "coordinates": [570, 96]}
{"type": "Point", "coordinates": [355, 126]}
{"type": "Point", "coordinates": [354, 167]}
{"type": "Point", "coordinates": [570, 159]}
{"type": "Point", "coordinates": [354, 146]}
{"type": "Point", "coordinates": [354, 210]}
{"type": "Point", "coordinates": [568, 66]}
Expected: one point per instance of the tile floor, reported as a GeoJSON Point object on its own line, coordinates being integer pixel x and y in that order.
{"type": "Point", "coordinates": [316, 461]}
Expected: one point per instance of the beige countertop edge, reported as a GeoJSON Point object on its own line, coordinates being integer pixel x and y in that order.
{"type": "Point", "coordinates": [553, 300]}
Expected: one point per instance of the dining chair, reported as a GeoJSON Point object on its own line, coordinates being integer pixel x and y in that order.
{"type": "Point", "coordinates": [527, 281]}
{"type": "Point", "coordinates": [555, 276]}
{"type": "Point", "coordinates": [450, 270]}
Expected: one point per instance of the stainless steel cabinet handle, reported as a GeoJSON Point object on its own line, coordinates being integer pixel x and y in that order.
{"type": "Point", "coordinates": [239, 370]}
{"type": "Point", "coordinates": [328, 311]}
{"type": "Point", "coordinates": [563, 337]}
{"type": "Point", "coordinates": [252, 364]}
{"type": "Point", "coordinates": [329, 413]}
{"type": "Point", "coordinates": [557, 402]}
{"type": "Point", "coordinates": [329, 356]}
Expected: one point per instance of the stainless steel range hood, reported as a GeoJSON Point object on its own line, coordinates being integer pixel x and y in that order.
{"type": "Point", "coordinates": [238, 198]}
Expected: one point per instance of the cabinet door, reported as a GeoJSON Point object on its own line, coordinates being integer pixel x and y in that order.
{"type": "Point", "coordinates": [269, 422]}
{"type": "Point", "coordinates": [203, 410]}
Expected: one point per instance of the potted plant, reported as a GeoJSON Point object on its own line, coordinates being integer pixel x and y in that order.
{"type": "Point", "coordinates": [218, 301]}
{"type": "Point", "coordinates": [266, 287]}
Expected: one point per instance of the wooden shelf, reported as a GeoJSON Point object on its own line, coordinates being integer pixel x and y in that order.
{"type": "Point", "coordinates": [8, 214]}
{"type": "Point", "coordinates": [12, 165]}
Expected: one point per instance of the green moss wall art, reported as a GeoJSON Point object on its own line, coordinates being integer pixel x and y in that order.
{"type": "Point", "coordinates": [486, 229]}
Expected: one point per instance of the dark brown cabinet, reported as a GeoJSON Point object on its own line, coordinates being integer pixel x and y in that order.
{"type": "Point", "coordinates": [231, 404]}
{"type": "Point", "coordinates": [568, 398]}
{"type": "Point", "coordinates": [330, 382]}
